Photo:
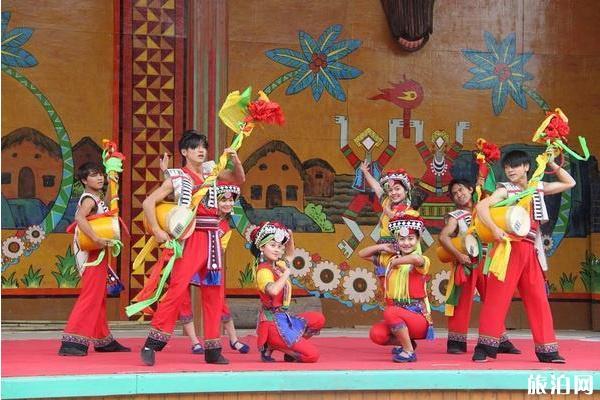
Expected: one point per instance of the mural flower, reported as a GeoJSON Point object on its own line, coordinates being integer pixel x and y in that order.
{"type": "Point", "coordinates": [501, 69]}
{"type": "Point", "coordinates": [12, 41]}
{"type": "Point", "coordinates": [317, 64]}
{"type": "Point", "coordinates": [13, 247]}
{"type": "Point", "coordinates": [360, 285]}
{"type": "Point", "coordinates": [35, 234]}
{"type": "Point", "coordinates": [547, 242]}
{"type": "Point", "coordinates": [326, 276]}
{"type": "Point", "coordinates": [300, 263]}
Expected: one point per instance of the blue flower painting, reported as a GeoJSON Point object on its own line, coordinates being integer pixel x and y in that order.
{"type": "Point", "coordinates": [12, 41]}
{"type": "Point", "coordinates": [502, 70]}
{"type": "Point", "coordinates": [317, 65]}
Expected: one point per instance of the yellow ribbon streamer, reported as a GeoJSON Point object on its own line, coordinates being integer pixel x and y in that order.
{"type": "Point", "coordinates": [499, 263]}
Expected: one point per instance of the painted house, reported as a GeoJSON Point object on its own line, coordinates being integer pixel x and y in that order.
{"type": "Point", "coordinates": [31, 166]}
{"type": "Point", "coordinates": [276, 177]}
{"type": "Point", "coordinates": [319, 176]}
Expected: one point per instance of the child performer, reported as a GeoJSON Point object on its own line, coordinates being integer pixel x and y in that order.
{"type": "Point", "coordinates": [393, 193]}
{"type": "Point", "coordinates": [524, 270]}
{"type": "Point", "coordinates": [407, 314]}
{"type": "Point", "coordinates": [202, 252]}
{"type": "Point", "coordinates": [277, 328]}
{"type": "Point", "coordinates": [87, 322]}
{"type": "Point", "coordinates": [226, 196]}
{"type": "Point", "coordinates": [467, 277]}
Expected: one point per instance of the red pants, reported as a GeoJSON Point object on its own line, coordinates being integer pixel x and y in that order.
{"type": "Point", "coordinates": [193, 260]}
{"type": "Point", "coordinates": [458, 324]}
{"type": "Point", "coordinates": [88, 317]}
{"type": "Point", "coordinates": [394, 318]}
{"type": "Point", "coordinates": [524, 272]}
{"type": "Point", "coordinates": [187, 313]}
{"type": "Point", "coordinates": [304, 350]}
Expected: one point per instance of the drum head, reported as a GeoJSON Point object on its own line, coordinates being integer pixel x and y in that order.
{"type": "Point", "coordinates": [179, 219]}
{"type": "Point", "coordinates": [518, 221]}
{"type": "Point", "coordinates": [116, 227]}
{"type": "Point", "coordinates": [471, 245]}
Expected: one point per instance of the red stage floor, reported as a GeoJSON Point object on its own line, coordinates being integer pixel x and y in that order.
{"type": "Point", "coordinates": [39, 358]}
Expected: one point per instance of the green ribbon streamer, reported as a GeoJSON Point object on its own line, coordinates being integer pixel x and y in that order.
{"type": "Point", "coordinates": [515, 197]}
{"type": "Point", "coordinates": [582, 143]}
{"type": "Point", "coordinates": [245, 98]}
{"type": "Point", "coordinates": [489, 185]}
{"type": "Point", "coordinates": [177, 253]}
{"type": "Point", "coordinates": [115, 248]}
{"type": "Point", "coordinates": [488, 258]}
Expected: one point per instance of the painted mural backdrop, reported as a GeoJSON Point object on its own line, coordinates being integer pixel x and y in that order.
{"type": "Point", "coordinates": [348, 97]}
{"type": "Point", "coordinates": [39, 195]}
{"type": "Point", "coordinates": [339, 190]}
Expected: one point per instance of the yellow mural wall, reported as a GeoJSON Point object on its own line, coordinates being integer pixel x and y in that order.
{"type": "Point", "coordinates": [563, 65]}
{"type": "Point", "coordinates": [72, 42]}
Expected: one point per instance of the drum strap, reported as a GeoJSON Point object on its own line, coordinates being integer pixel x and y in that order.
{"type": "Point", "coordinates": [464, 219]}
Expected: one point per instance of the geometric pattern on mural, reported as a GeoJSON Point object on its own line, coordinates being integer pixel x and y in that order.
{"type": "Point", "coordinates": [153, 109]}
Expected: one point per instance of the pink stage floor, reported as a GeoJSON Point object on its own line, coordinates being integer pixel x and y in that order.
{"type": "Point", "coordinates": [22, 358]}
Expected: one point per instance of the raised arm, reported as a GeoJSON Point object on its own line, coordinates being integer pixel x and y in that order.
{"type": "Point", "coordinates": [237, 176]}
{"type": "Point", "coordinates": [371, 181]}
{"type": "Point", "coordinates": [564, 180]}
{"type": "Point", "coordinates": [370, 251]}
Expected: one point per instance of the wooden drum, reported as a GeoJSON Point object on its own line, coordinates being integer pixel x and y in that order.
{"type": "Point", "coordinates": [513, 220]}
{"type": "Point", "coordinates": [466, 244]}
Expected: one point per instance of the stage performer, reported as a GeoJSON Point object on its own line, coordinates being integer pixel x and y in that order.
{"type": "Point", "coordinates": [202, 251]}
{"type": "Point", "coordinates": [278, 329]}
{"type": "Point", "coordinates": [407, 314]}
{"type": "Point", "coordinates": [393, 193]}
{"type": "Point", "coordinates": [87, 322]}
{"type": "Point", "coordinates": [524, 268]}
{"type": "Point", "coordinates": [226, 194]}
{"type": "Point", "coordinates": [467, 274]}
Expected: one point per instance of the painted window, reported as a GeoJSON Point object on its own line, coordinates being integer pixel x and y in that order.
{"type": "Point", "coordinates": [256, 192]}
{"type": "Point", "coordinates": [291, 192]}
{"type": "Point", "coordinates": [48, 180]}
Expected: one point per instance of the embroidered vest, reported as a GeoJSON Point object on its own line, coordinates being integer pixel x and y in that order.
{"type": "Point", "coordinates": [540, 212]}
{"type": "Point", "coordinates": [183, 186]}
{"type": "Point", "coordinates": [463, 217]}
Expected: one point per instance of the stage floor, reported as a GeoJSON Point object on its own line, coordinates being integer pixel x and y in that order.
{"type": "Point", "coordinates": [31, 368]}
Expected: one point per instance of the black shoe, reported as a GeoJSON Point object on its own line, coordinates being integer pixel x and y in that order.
{"type": "Point", "coordinates": [456, 347]}
{"type": "Point", "coordinates": [72, 349]}
{"type": "Point", "coordinates": [214, 356]}
{"type": "Point", "coordinates": [507, 347]}
{"type": "Point", "coordinates": [113, 347]}
{"type": "Point", "coordinates": [482, 352]}
{"type": "Point", "coordinates": [148, 356]}
{"type": "Point", "coordinates": [553, 357]}
{"type": "Point", "coordinates": [265, 356]}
